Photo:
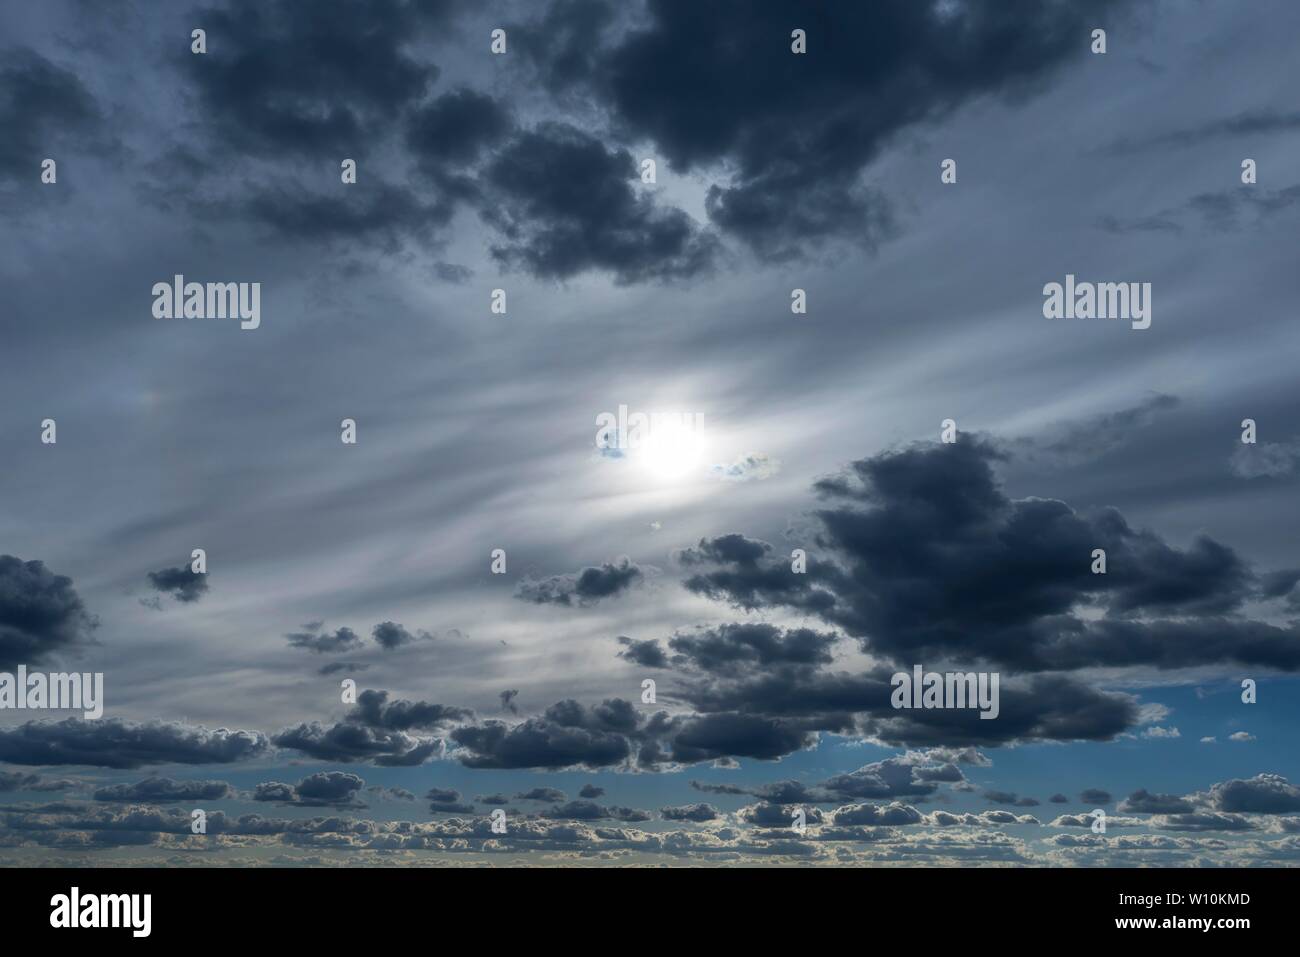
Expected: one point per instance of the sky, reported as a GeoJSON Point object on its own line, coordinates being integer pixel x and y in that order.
{"type": "Point", "coordinates": [435, 583]}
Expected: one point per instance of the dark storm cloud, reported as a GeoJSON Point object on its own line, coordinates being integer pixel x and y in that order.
{"type": "Point", "coordinates": [939, 562]}
{"type": "Point", "coordinates": [493, 800]}
{"type": "Point", "coordinates": [40, 614]}
{"type": "Point", "coordinates": [711, 736]}
{"type": "Point", "coordinates": [648, 653]}
{"type": "Point", "coordinates": [1095, 796]}
{"type": "Point", "coordinates": [374, 710]}
{"type": "Point", "coordinates": [565, 203]}
{"type": "Point", "coordinates": [329, 787]}
{"type": "Point", "coordinates": [508, 700]}
{"type": "Point", "coordinates": [587, 587]}
{"type": "Point", "coordinates": [447, 801]}
{"type": "Point", "coordinates": [113, 743]}
{"type": "Point", "coordinates": [699, 813]}
{"type": "Point", "coordinates": [1036, 707]}
{"type": "Point", "coordinates": [389, 635]}
{"type": "Point", "coordinates": [1262, 794]}
{"type": "Point", "coordinates": [591, 791]}
{"type": "Point", "coordinates": [455, 129]}
{"type": "Point", "coordinates": [571, 737]}
{"type": "Point", "coordinates": [43, 107]}
{"type": "Point", "coordinates": [323, 642]}
{"type": "Point", "coordinates": [382, 215]}
{"type": "Point", "coordinates": [718, 788]}
{"type": "Point", "coordinates": [612, 733]}
{"type": "Point", "coordinates": [276, 791]}
{"type": "Point", "coordinates": [165, 789]}
{"type": "Point", "coordinates": [549, 795]}
{"type": "Point", "coordinates": [323, 789]}
{"type": "Point", "coordinates": [629, 815]}
{"type": "Point", "coordinates": [1007, 797]}
{"type": "Point", "coordinates": [181, 583]}
{"type": "Point", "coordinates": [347, 741]}
{"type": "Point", "coordinates": [1059, 799]}
{"type": "Point", "coordinates": [738, 648]}
{"type": "Point", "coordinates": [1142, 801]}
{"type": "Point", "coordinates": [282, 78]}
{"type": "Point", "coordinates": [334, 667]}
{"type": "Point", "coordinates": [798, 130]}
{"type": "Point", "coordinates": [20, 781]}
{"type": "Point", "coordinates": [775, 815]}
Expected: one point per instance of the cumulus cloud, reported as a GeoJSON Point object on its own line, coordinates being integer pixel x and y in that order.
{"type": "Point", "coordinates": [181, 583]}
{"type": "Point", "coordinates": [588, 586]}
{"type": "Point", "coordinates": [165, 789]}
{"type": "Point", "coordinates": [314, 638]}
{"type": "Point", "coordinates": [41, 614]}
{"type": "Point", "coordinates": [114, 743]}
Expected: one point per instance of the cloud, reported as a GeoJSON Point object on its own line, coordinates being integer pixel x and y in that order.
{"type": "Point", "coordinates": [931, 560]}
{"type": "Point", "coordinates": [374, 710]}
{"type": "Point", "coordinates": [752, 467]}
{"type": "Point", "coordinates": [564, 203]}
{"type": "Point", "coordinates": [389, 635]}
{"type": "Point", "coordinates": [1007, 797]}
{"type": "Point", "coordinates": [1241, 736]}
{"type": "Point", "coordinates": [1262, 794]}
{"type": "Point", "coordinates": [776, 815]}
{"type": "Point", "coordinates": [1142, 801]}
{"type": "Point", "coordinates": [329, 787]}
{"type": "Point", "coordinates": [1095, 796]}
{"type": "Point", "coordinates": [1245, 123]}
{"type": "Point", "coordinates": [737, 648]}
{"type": "Point", "coordinates": [41, 614]}
{"type": "Point", "coordinates": [282, 80]}
{"type": "Point", "coordinates": [561, 739]}
{"type": "Point", "coordinates": [795, 133]}
{"type": "Point", "coordinates": [648, 654]}
{"type": "Point", "coordinates": [348, 741]}
{"type": "Point", "coordinates": [447, 801]}
{"type": "Point", "coordinates": [1156, 731]}
{"type": "Point", "coordinates": [591, 791]}
{"type": "Point", "coordinates": [894, 814]}
{"type": "Point", "coordinates": [549, 795]}
{"type": "Point", "coordinates": [1264, 459]}
{"type": "Point", "coordinates": [114, 743]}
{"type": "Point", "coordinates": [181, 583]}
{"type": "Point", "coordinates": [322, 642]}
{"type": "Point", "coordinates": [587, 587]}
{"type": "Point", "coordinates": [42, 106]}
{"type": "Point", "coordinates": [1200, 821]}
{"type": "Point", "coordinates": [165, 789]}
{"type": "Point", "coordinates": [21, 781]}
{"type": "Point", "coordinates": [699, 813]}
{"type": "Point", "coordinates": [576, 811]}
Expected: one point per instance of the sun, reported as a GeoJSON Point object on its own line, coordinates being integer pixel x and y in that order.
{"type": "Point", "coordinates": [672, 451]}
